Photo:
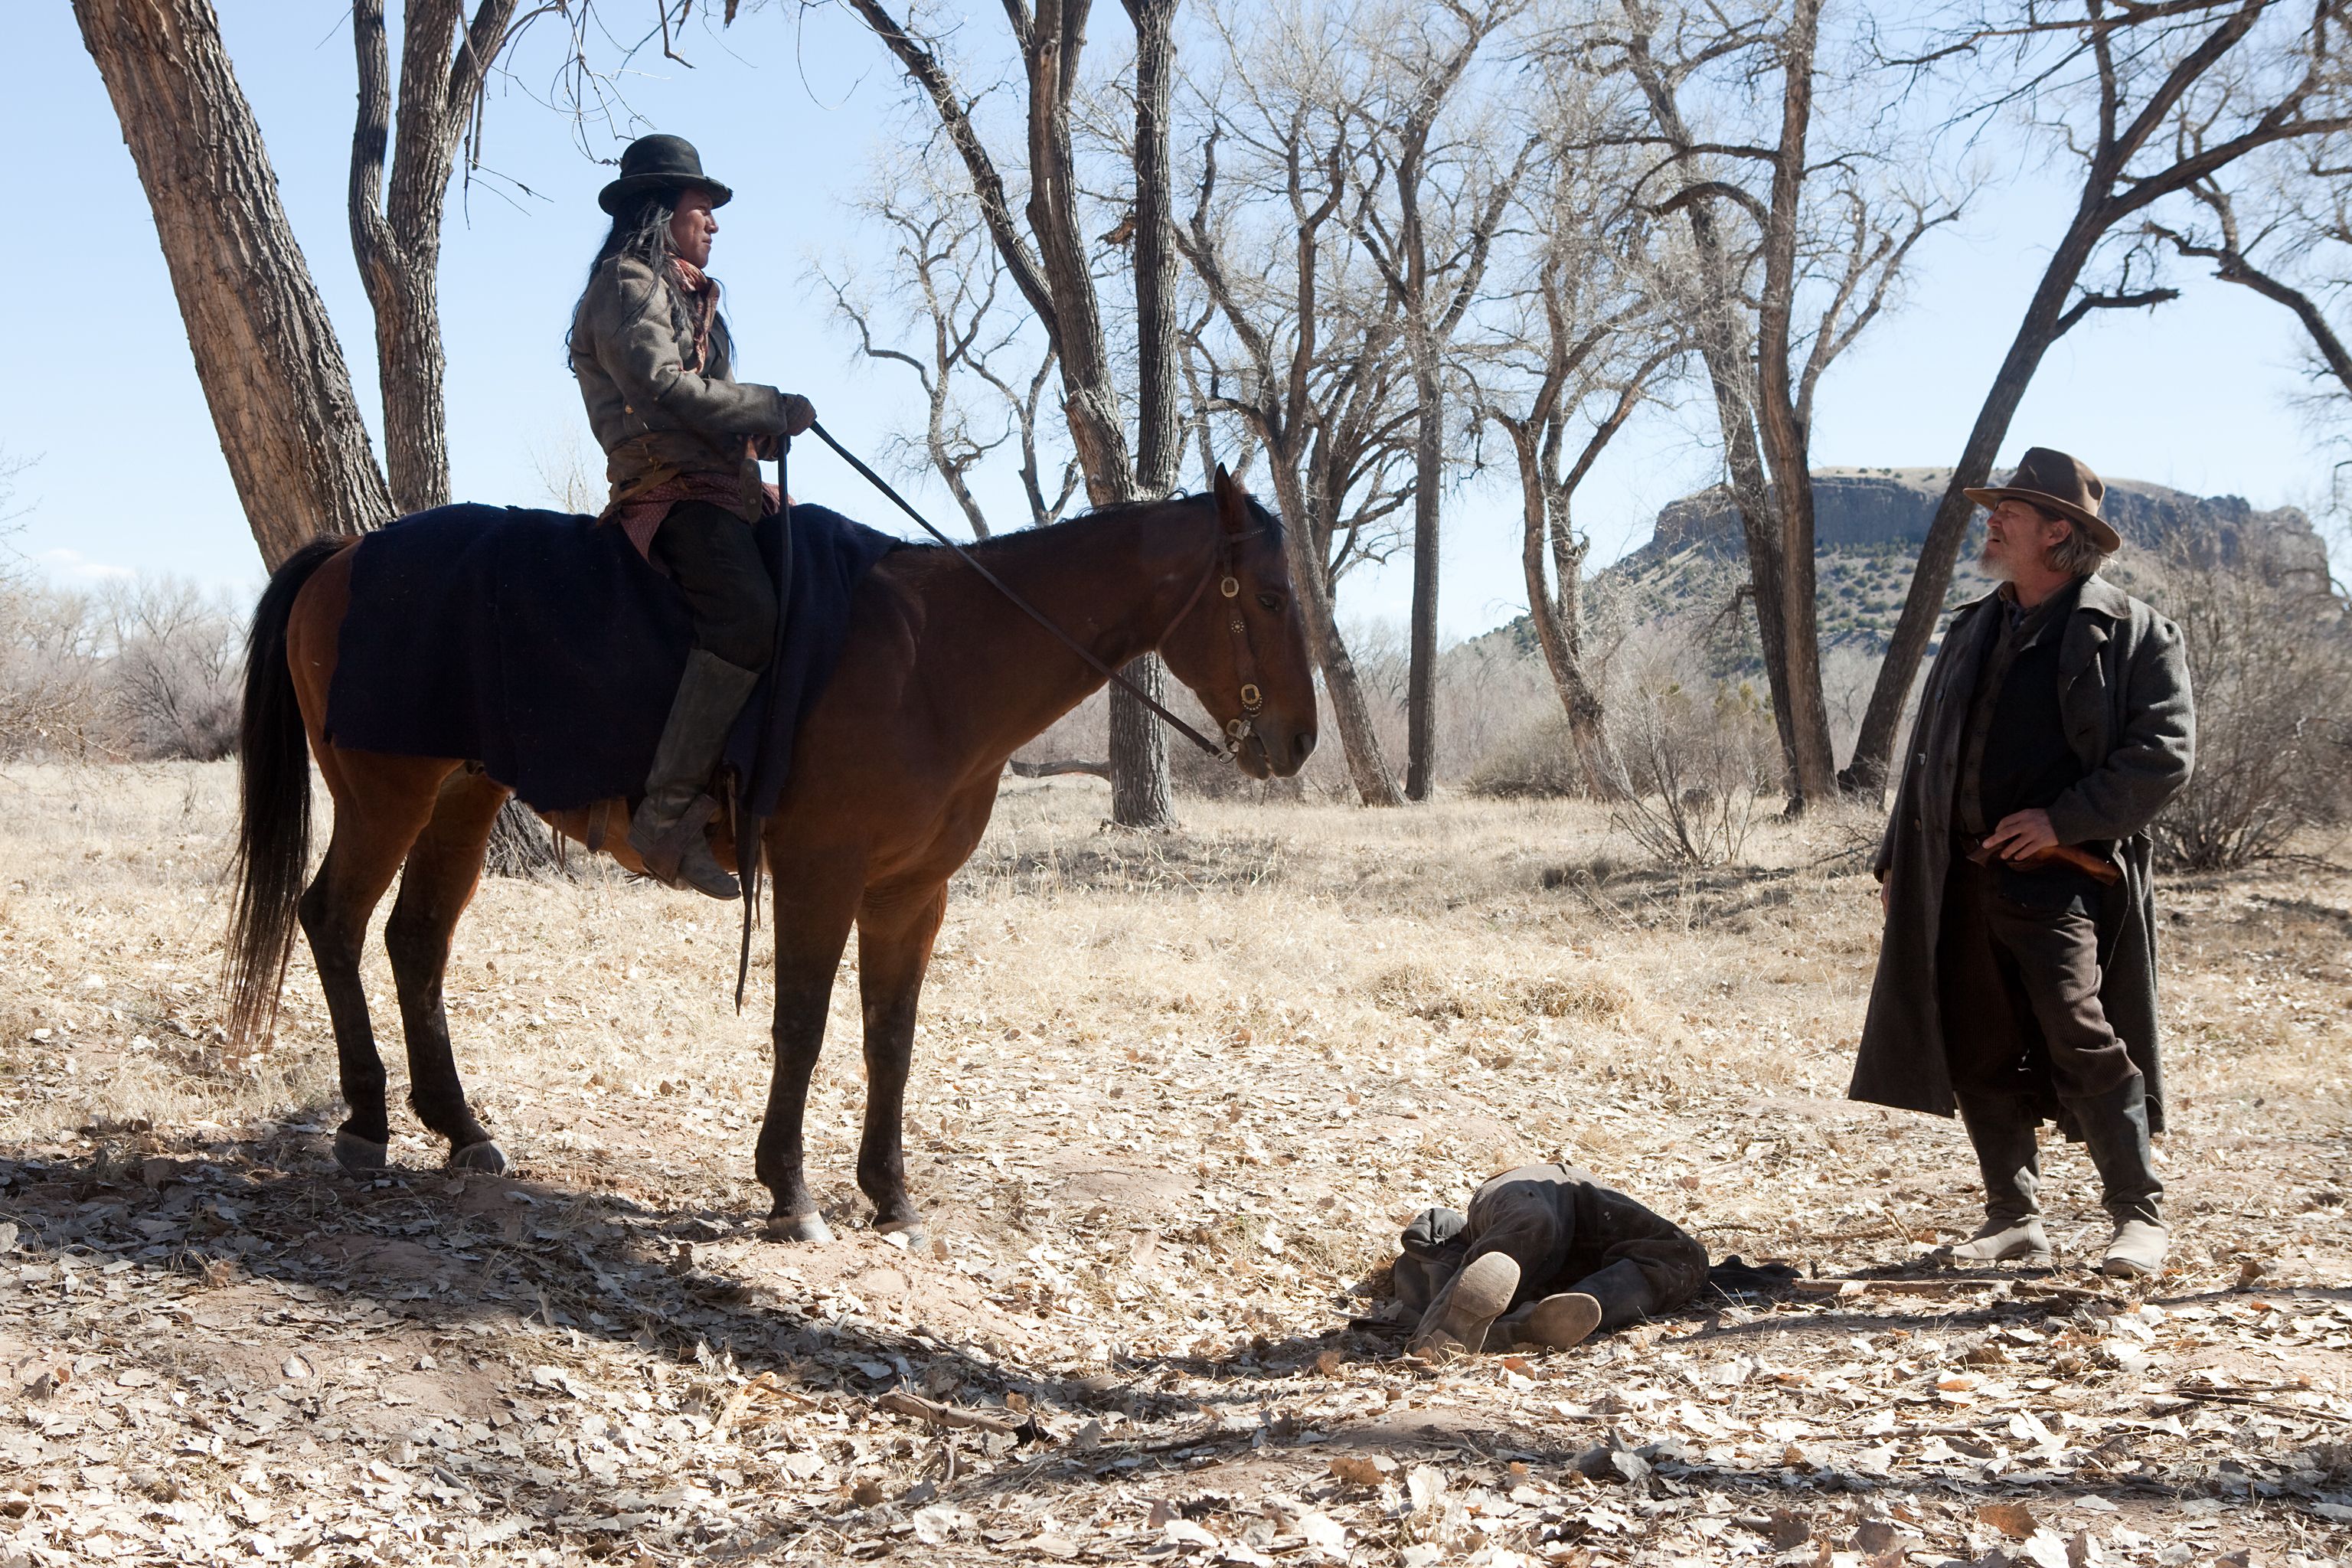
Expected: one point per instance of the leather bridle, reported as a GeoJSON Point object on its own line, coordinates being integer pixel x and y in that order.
{"type": "Point", "coordinates": [1221, 568]}
{"type": "Point", "coordinates": [1229, 587]}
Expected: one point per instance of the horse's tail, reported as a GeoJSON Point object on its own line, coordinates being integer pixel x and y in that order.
{"type": "Point", "coordinates": [273, 829]}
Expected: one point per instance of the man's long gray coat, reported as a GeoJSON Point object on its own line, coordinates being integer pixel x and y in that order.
{"type": "Point", "coordinates": [2126, 704]}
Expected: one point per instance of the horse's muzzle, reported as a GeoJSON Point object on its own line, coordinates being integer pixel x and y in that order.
{"type": "Point", "coordinates": [1269, 756]}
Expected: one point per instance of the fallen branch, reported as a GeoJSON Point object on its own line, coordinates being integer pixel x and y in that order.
{"type": "Point", "coordinates": [765, 1383]}
{"type": "Point", "coordinates": [2215, 1396]}
{"type": "Point", "coordinates": [1052, 770]}
{"type": "Point", "coordinates": [898, 1402]}
{"type": "Point", "coordinates": [1894, 1287]}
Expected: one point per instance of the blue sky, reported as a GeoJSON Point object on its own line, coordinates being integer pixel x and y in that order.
{"type": "Point", "coordinates": [126, 475]}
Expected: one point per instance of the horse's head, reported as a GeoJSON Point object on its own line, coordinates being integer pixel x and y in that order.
{"type": "Point", "coordinates": [1242, 647]}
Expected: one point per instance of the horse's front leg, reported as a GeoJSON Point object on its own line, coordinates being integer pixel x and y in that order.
{"type": "Point", "coordinates": [814, 908]}
{"type": "Point", "coordinates": [894, 932]}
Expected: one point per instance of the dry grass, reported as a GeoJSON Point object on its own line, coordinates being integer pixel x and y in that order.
{"type": "Point", "coordinates": [1172, 1094]}
{"type": "Point", "coordinates": [1496, 977]}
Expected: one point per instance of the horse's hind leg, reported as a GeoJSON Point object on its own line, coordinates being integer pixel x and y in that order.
{"type": "Point", "coordinates": [894, 947]}
{"type": "Point", "coordinates": [444, 868]}
{"type": "Point", "coordinates": [379, 811]}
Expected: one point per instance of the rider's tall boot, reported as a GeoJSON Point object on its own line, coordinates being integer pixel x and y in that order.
{"type": "Point", "coordinates": [668, 830]}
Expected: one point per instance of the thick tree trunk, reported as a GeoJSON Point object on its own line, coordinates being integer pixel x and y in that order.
{"type": "Point", "coordinates": [1303, 545]}
{"type": "Point", "coordinates": [1931, 579]}
{"type": "Point", "coordinates": [1421, 676]}
{"type": "Point", "coordinates": [1559, 618]}
{"type": "Point", "coordinates": [1751, 493]}
{"type": "Point", "coordinates": [1143, 789]}
{"type": "Point", "coordinates": [396, 228]}
{"type": "Point", "coordinates": [1787, 443]}
{"type": "Point", "coordinates": [266, 354]}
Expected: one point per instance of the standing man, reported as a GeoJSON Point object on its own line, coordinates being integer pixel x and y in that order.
{"type": "Point", "coordinates": [2017, 976]}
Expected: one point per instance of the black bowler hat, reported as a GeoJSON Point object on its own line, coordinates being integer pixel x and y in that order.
{"type": "Point", "coordinates": [660, 164]}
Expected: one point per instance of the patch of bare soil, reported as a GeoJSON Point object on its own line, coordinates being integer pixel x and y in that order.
{"type": "Point", "coordinates": [1174, 1097]}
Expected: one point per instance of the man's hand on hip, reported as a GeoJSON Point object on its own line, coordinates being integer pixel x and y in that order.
{"type": "Point", "coordinates": [2021, 834]}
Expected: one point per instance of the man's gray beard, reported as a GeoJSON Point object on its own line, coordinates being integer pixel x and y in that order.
{"type": "Point", "coordinates": [1999, 571]}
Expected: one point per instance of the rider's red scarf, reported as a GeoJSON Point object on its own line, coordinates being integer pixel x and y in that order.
{"type": "Point", "coordinates": [702, 293]}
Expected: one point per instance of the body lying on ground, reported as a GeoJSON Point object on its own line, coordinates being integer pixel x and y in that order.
{"type": "Point", "coordinates": [1545, 1256]}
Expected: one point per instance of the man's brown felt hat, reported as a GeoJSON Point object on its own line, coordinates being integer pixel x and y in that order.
{"type": "Point", "coordinates": [2056, 482]}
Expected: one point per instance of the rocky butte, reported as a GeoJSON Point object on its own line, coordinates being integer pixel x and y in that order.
{"type": "Point", "coordinates": [1868, 527]}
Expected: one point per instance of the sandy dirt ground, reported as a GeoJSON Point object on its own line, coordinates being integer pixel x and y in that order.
{"type": "Point", "coordinates": [1174, 1097]}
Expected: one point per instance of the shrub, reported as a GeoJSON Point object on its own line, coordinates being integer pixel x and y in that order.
{"type": "Point", "coordinates": [2269, 646]}
{"type": "Point", "coordinates": [1695, 756]}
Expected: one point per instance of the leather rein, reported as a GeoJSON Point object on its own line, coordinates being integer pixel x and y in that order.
{"type": "Point", "coordinates": [1221, 568]}
{"type": "Point", "coordinates": [747, 829]}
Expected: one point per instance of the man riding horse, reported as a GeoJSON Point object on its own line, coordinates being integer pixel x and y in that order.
{"type": "Point", "coordinates": [683, 440]}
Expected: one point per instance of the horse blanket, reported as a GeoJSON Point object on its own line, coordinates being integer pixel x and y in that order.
{"type": "Point", "coordinates": [546, 648]}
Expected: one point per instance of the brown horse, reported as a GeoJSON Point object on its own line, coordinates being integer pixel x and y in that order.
{"type": "Point", "coordinates": [894, 777]}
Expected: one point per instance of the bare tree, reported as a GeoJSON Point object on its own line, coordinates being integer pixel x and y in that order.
{"type": "Point", "coordinates": [1430, 208]}
{"type": "Point", "coordinates": [2150, 101]}
{"type": "Point", "coordinates": [1047, 257]}
{"type": "Point", "coordinates": [173, 657]}
{"type": "Point", "coordinates": [2299, 227]}
{"type": "Point", "coordinates": [946, 287]}
{"type": "Point", "coordinates": [445, 59]}
{"type": "Point", "coordinates": [266, 354]}
{"type": "Point", "coordinates": [1587, 339]}
{"type": "Point", "coordinates": [1308, 354]}
{"type": "Point", "coordinates": [1797, 248]}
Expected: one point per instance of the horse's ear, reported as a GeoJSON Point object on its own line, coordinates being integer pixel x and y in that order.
{"type": "Point", "coordinates": [1232, 502]}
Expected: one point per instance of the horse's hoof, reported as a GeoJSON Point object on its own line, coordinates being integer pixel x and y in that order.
{"type": "Point", "coordinates": [483, 1156]}
{"type": "Point", "coordinates": [353, 1152]}
{"type": "Point", "coordinates": [797, 1227]}
{"type": "Point", "coordinates": [908, 1234]}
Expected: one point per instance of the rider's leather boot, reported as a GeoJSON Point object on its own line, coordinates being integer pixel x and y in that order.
{"type": "Point", "coordinates": [2002, 1130]}
{"type": "Point", "coordinates": [667, 831]}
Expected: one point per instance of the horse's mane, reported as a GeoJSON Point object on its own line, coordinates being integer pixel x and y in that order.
{"type": "Point", "coordinates": [1045, 536]}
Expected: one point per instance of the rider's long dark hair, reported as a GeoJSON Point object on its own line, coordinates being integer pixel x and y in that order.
{"type": "Point", "coordinates": [641, 229]}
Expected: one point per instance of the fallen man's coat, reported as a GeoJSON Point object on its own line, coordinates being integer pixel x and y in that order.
{"type": "Point", "coordinates": [2125, 703]}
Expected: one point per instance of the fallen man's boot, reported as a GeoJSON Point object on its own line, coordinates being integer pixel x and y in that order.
{"type": "Point", "coordinates": [668, 830]}
{"type": "Point", "coordinates": [1559, 1322]}
{"type": "Point", "coordinates": [1616, 1296]}
{"type": "Point", "coordinates": [2008, 1157]}
{"type": "Point", "coordinates": [1456, 1322]}
{"type": "Point", "coordinates": [2114, 1129]}
{"type": "Point", "coordinates": [1622, 1292]}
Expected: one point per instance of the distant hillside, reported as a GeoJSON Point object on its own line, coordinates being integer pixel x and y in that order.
{"type": "Point", "coordinates": [1868, 526]}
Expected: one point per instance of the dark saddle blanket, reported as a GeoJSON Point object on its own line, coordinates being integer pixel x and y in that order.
{"type": "Point", "coordinates": [544, 648]}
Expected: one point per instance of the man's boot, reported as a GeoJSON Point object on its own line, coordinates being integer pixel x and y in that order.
{"type": "Point", "coordinates": [1616, 1296]}
{"type": "Point", "coordinates": [2010, 1159]}
{"type": "Point", "coordinates": [667, 831]}
{"type": "Point", "coordinates": [1456, 1322]}
{"type": "Point", "coordinates": [2115, 1128]}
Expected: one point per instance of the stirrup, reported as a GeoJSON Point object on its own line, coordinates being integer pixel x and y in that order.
{"type": "Point", "coordinates": [665, 850]}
